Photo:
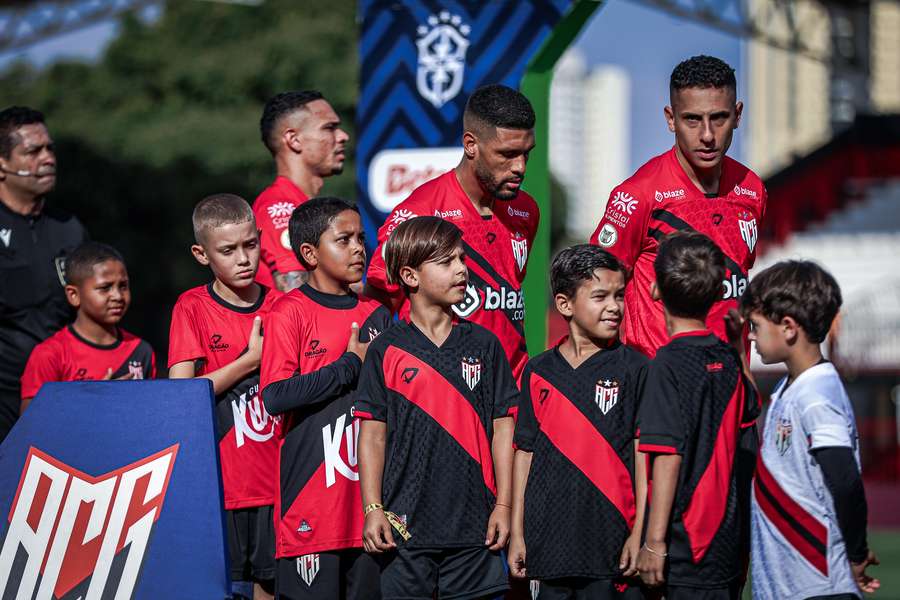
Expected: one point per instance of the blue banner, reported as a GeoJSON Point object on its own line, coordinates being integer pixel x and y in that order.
{"type": "Point", "coordinates": [112, 490]}
{"type": "Point", "coordinates": [420, 60]}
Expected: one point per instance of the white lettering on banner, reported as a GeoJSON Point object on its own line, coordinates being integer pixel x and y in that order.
{"type": "Point", "coordinates": [332, 442]}
{"type": "Point", "coordinates": [395, 173]}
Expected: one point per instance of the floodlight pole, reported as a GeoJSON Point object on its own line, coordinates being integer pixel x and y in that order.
{"type": "Point", "coordinates": [536, 87]}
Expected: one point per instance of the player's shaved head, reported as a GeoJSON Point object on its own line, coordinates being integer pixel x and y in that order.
{"type": "Point", "coordinates": [218, 210]}
{"type": "Point", "coordinates": [702, 72]}
{"type": "Point", "coordinates": [277, 109]}
{"type": "Point", "coordinates": [496, 106]}
{"type": "Point", "coordinates": [81, 262]}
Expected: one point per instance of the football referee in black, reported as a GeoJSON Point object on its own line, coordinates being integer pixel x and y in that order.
{"type": "Point", "coordinates": [35, 238]}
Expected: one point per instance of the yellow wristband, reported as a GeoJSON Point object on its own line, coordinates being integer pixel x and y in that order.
{"type": "Point", "coordinates": [370, 507]}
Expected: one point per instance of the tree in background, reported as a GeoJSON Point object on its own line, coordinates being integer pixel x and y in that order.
{"type": "Point", "coordinates": [170, 113]}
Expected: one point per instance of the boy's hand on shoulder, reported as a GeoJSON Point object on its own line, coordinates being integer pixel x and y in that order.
{"type": "Point", "coordinates": [630, 552]}
{"type": "Point", "coordinates": [651, 563]}
{"type": "Point", "coordinates": [254, 344]}
{"type": "Point", "coordinates": [866, 583]}
{"type": "Point", "coordinates": [498, 528]}
{"type": "Point", "coordinates": [515, 557]}
{"type": "Point", "coordinates": [734, 329]}
{"type": "Point", "coordinates": [377, 534]}
{"type": "Point", "coordinates": [354, 345]}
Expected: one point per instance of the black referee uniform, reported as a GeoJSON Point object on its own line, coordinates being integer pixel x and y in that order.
{"type": "Point", "coordinates": [32, 302]}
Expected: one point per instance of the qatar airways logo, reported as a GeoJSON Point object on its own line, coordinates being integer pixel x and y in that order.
{"type": "Point", "coordinates": [74, 536]}
{"type": "Point", "coordinates": [625, 203]}
{"type": "Point", "coordinates": [742, 191]}
{"type": "Point", "coordinates": [340, 449]}
{"type": "Point", "coordinates": [660, 196]}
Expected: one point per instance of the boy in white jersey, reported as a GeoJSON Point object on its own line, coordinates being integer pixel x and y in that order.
{"type": "Point", "coordinates": [809, 508]}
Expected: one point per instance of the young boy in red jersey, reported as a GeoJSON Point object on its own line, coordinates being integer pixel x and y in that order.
{"type": "Point", "coordinates": [575, 443]}
{"type": "Point", "coordinates": [697, 399]}
{"type": "Point", "coordinates": [94, 346]}
{"type": "Point", "coordinates": [216, 333]}
{"type": "Point", "coordinates": [436, 441]}
{"type": "Point", "coordinates": [316, 338]}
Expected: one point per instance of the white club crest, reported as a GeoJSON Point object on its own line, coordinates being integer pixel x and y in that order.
{"type": "Point", "coordinates": [471, 371]}
{"type": "Point", "coordinates": [783, 432]}
{"type": "Point", "coordinates": [748, 232]}
{"type": "Point", "coordinates": [308, 568]}
{"type": "Point", "coordinates": [442, 49]}
{"type": "Point", "coordinates": [607, 394]}
{"type": "Point", "coordinates": [520, 251]}
{"type": "Point", "coordinates": [135, 369]}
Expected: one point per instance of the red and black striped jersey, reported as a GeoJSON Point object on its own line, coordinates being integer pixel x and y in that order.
{"type": "Point", "coordinates": [496, 254]}
{"type": "Point", "coordinates": [309, 375]}
{"type": "Point", "coordinates": [659, 199]}
{"type": "Point", "coordinates": [67, 356]}
{"type": "Point", "coordinates": [439, 405]}
{"type": "Point", "coordinates": [696, 401]}
{"type": "Point", "coordinates": [579, 425]}
{"type": "Point", "coordinates": [213, 333]}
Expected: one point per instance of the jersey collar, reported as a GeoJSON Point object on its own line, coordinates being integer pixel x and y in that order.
{"type": "Point", "coordinates": [685, 180]}
{"type": "Point", "coordinates": [238, 309]}
{"type": "Point", "coordinates": [335, 301]}
{"type": "Point", "coordinates": [88, 342]}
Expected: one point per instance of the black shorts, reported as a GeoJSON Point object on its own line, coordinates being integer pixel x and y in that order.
{"type": "Point", "coordinates": [731, 591]}
{"type": "Point", "coordinates": [455, 573]}
{"type": "Point", "coordinates": [583, 588]}
{"type": "Point", "coordinates": [251, 543]}
{"type": "Point", "coordinates": [342, 574]}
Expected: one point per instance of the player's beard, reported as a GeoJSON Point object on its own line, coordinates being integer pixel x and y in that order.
{"type": "Point", "coordinates": [490, 183]}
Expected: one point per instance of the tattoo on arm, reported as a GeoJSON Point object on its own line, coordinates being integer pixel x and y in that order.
{"type": "Point", "coordinates": [285, 282]}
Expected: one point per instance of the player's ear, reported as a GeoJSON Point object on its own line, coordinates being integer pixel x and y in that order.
{"type": "Point", "coordinates": [790, 330]}
{"type": "Point", "coordinates": [409, 277]}
{"type": "Point", "coordinates": [73, 296]}
{"type": "Point", "coordinates": [470, 145]}
{"type": "Point", "coordinates": [563, 305]}
{"type": "Point", "coordinates": [200, 254]}
{"type": "Point", "coordinates": [670, 118]}
{"type": "Point", "coordinates": [309, 254]}
{"type": "Point", "coordinates": [291, 139]}
{"type": "Point", "coordinates": [738, 111]}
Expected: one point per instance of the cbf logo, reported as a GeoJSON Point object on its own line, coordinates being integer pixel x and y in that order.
{"type": "Point", "coordinates": [520, 250]}
{"type": "Point", "coordinates": [251, 421]}
{"type": "Point", "coordinates": [308, 568]}
{"type": "Point", "coordinates": [471, 371]}
{"type": "Point", "coordinates": [607, 394]}
{"type": "Point", "coordinates": [783, 432]}
{"type": "Point", "coordinates": [747, 225]}
{"type": "Point", "coordinates": [442, 49]}
{"type": "Point", "coordinates": [74, 536]}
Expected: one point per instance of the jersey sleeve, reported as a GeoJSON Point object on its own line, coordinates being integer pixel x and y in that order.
{"type": "Point", "coordinates": [43, 365]}
{"type": "Point", "coordinates": [623, 228]}
{"type": "Point", "coordinates": [375, 324]}
{"type": "Point", "coordinates": [185, 342]}
{"type": "Point", "coordinates": [662, 431]}
{"type": "Point", "coordinates": [377, 272]}
{"type": "Point", "coordinates": [274, 244]}
{"type": "Point", "coordinates": [506, 393]}
{"type": "Point", "coordinates": [526, 420]}
{"type": "Point", "coordinates": [281, 345]}
{"type": "Point", "coordinates": [371, 393]}
{"type": "Point", "coordinates": [825, 425]}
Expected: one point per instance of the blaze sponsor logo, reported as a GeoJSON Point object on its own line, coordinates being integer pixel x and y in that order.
{"type": "Point", "coordinates": [251, 421]}
{"type": "Point", "coordinates": [748, 232]}
{"type": "Point", "coordinates": [606, 394]}
{"type": "Point", "coordinates": [783, 431]}
{"type": "Point", "coordinates": [494, 299]}
{"type": "Point", "coordinates": [660, 196]}
{"type": "Point", "coordinates": [625, 202]}
{"type": "Point", "coordinates": [515, 212]}
{"type": "Point", "coordinates": [338, 443]}
{"type": "Point", "coordinates": [607, 236]}
{"type": "Point", "coordinates": [136, 369]}
{"type": "Point", "coordinates": [216, 344]}
{"type": "Point", "coordinates": [454, 213]}
{"type": "Point", "coordinates": [734, 287]}
{"type": "Point", "coordinates": [742, 191]}
{"type": "Point", "coordinates": [315, 349]}
{"type": "Point", "coordinates": [81, 536]}
{"type": "Point", "coordinates": [308, 568]}
{"type": "Point", "coordinates": [471, 371]}
{"type": "Point", "coordinates": [469, 304]}
{"type": "Point", "coordinates": [409, 374]}
{"type": "Point", "coordinates": [520, 250]}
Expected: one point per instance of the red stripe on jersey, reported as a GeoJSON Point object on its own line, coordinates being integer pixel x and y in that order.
{"type": "Point", "coordinates": [362, 414]}
{"type": "Point", "coordinates": [431, 392]}
{"type": "Point", "coordinates": [579, 441]}
{"type": "Point", "coordinates": [704, 514]}
{"type": "Point", "coordinates": [657, 448]}
{"type": "Point", "coordinates": [802, 530]}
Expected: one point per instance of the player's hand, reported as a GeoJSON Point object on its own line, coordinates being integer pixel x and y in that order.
{"type": "Point", "coordinates": [866, 583]}
{"type": "Point", "coordinates": [629, 558]}
{"type": "Point", "coordinates": [651, 565]}
{"type": "Point", "coordinates": [124, 377]}
{"type": "Point", "coordinates": [498, 528]}
{"type": "Point", "coordinates": [515, 557]}
{"type": "Point", "coordinates": [377, 534]}
{"type": "Point", "coordinates": [354, 345]}
{"type": "Point", "coordinates": [254, 344]}
{"type": "Point", "coordinates": [734, 329]}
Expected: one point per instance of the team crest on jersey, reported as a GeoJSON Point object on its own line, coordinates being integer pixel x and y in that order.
{"type": "Point", "coordinates": [135, 369]}
{"type": "Point", "coordinates": [251, 421]}
{"type": "Point", "coordinates": [442, 47]}
{"type": "Point", "coordinates": [60, 263]}
{"type": "Point", "coordinates": [471, 371]}
{"type": "Point", "coordinates": [748, 232]}
{"type": "Point", "coordinates": [783, 431]}
{"type": "Point", "coordinates": [308, 568]}
{"type": "Point", "coordinates": [607, 236]}
{"type": "Point", "coordinates": [75, 536]}
{"type": "Point", "coordinates": [607, 394]}
{"type": "Point", "coordinates": [520, 250]}
{"type": "Point", "coordinates": [304, 527]}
